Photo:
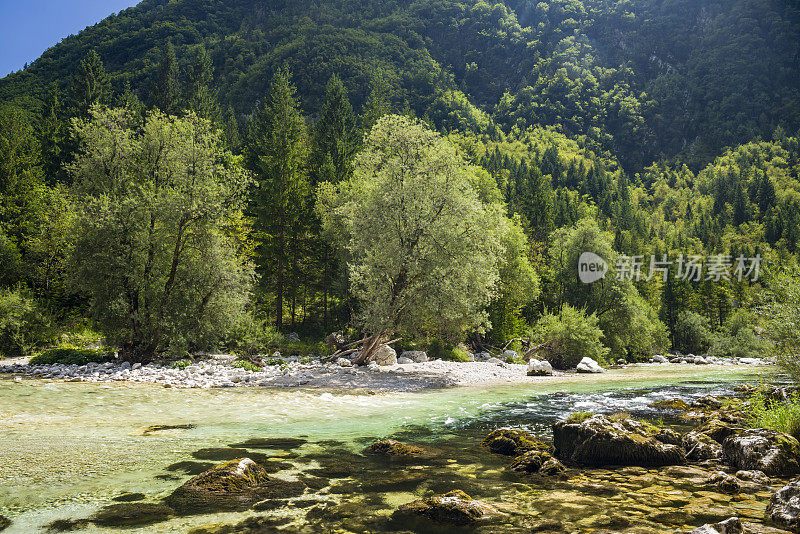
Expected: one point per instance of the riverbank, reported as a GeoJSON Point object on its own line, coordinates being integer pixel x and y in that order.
{"type": "Point", "coordinates": [219, 372]}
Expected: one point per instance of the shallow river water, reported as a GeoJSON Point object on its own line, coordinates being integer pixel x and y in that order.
{"type": "Point", "coordinates": [67, 449]}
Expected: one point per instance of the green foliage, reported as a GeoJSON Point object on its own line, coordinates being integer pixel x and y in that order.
{"type": "Point", "coordinates": [424, 251]}
{"type": "Point", "coordinates": [277, 154]}
{"type": "Point", "coordinates": [579, 417]}
{"type": "Point", "coordinates": [693, 333]}
{"type": "Point", "coordinates": [782, 314]}
{"type": "Point", "coordinates": [251, 336]}
{"type": "Point", "coordinates": [160, 232]}
{"type": "Point", "coordinates": [568, 337]}
{"type": "Point", "coordinates": [72, 356]}
{"type": "Point", "coordinates": [783, 416]}
{"type": "Point", "coordinates": [23, 324]}
{"type": "Point", "coordinates": [180, 364]}
{"type": "Point", "coordinates": [246, 365]}
{"type": "Point", "coordinates": [91, 85]}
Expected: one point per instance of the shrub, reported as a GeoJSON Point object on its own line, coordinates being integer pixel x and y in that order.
{"type": "Point", "coordinates": [782, 314]}
{"type": "Point", "coordinates": [181, 364]}
{"type": "Point", "coordinates": [779, 416]}
{"type": "Point", "coordinates": [251, 336]}
{"type": "Point", "coordinates": [744, 344]}
{"type": "Point", "coordinates": [247, 366]}
{"type": "Point", "coordinates": [567, 338]}
{"type": "Point", "coordinates": [72, 356]}
{"type": "Point", "coordinates": [692, 333]}
{"type": "Point", "coordinates": [440, 349]}
{"type": "Point", "coordinates": [23, 325]}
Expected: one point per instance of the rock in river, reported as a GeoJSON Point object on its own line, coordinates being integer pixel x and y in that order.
{"type": "Point", "coordinates": [4, 522]}
{"type": "Point", "coordinates": [131, 514]}
{"type": "Point", "coordinates": [229, 486]}
{"type": "Point", "coordinates": [784, 507]}
{"type": "Point", "coordinates": [396, 450]}
{"type": "Point", "coordinates": [455, 507]}
{"type": "Point", "coordinates": [600, 440]}
{"type": "Point", "coordinates": [729, 526]}
{"type": "Point", "coordinates": [512, 442]}
{"type": "Point", "coordinates": [774, 453]}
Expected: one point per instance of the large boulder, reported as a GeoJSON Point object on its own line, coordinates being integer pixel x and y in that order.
{"type": "Point", "coordinates": [416, 356]}
{"type": "Point", "coordinates": [539, 368]}
{"type": "Point", "coordinates": [455, 508]}
{"type": "Point", "coordinates": [396, 450]}
{"type": "Point", "coordinates": [231, 486]}
{"type": "Point", "coordinates": [774, 453]}
{"type": "Point", "coordinates": [588, 365]}
{"type": "Point", "coordinates": [784, 507]}
{"type": "Point", "coordinates": [599, 440]}
{"type": "Point", "coordinates": [512, 442]}
{"type": "Point", "coordinates": [729, 526]}
{"type": "Point", "coordinates": [700, 447]}
{"type": "Point", "coordinates": [385, 356]}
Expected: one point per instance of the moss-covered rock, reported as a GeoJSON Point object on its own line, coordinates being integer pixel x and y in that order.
{"type": "Point", "coordinates": [700, 447]}
{"type": "Point", "coordinates": [396, 450]}
{"type": "Point", "coordinates": [601, 440]}
{"type": "Point", "coordinates": [677, 405]}
{"type": "Point", "coordinates": [4, 522]}
{"type": "Point", "coordinates": [784, 507]}
{"type": "Point", "coordinates": [552, 468]}
{"type": "Point", "coordinates": [513, 442]}
{"type": "Point", "coordinates": [455, 508]}
{"type": "Point", "coordinates": [774, 453]}
{"type": "Point", "coordinates": [230, 486]}
{"type": "Point", "coordinates": [530, 461]}
{"type": "Point", "coordinates": [131, 514]}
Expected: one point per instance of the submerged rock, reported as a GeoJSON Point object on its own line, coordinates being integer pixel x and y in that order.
{"type": "Point", "coordinates": [552, 467]}
{"type": "Point", "coordinates": [230, 486]}
{"type": "Point", "coordinates": [4, 522]}
{"type": "Point", "coordinates": [512, 442]}
{"type": "Point", "coordinates": [455, 507]}
{"type": "Point", "coordinates": [397, 450]}
{"type": "Point", "coordinates": [285, 444]}
{"type": "Point", "coordinates": [588, 365]}
{"type": "Point", "coordinates": [129, 497]}
{"type": "Point", "coordinates": [530, 462]}
{"type": "Point", "coordinates": [601, 440]}
{"type": "Point", "coordinates": [539, 368]}
{"type": "Point", "coordinates": [131, 514]}
{"type": "Point", "coordinates": [774, 453]}
{"type": "Point", "coordinates": [784, 507]}
{"type": "Point", "coordinates": [729, 526]}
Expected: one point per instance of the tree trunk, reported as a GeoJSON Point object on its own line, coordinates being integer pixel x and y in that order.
{"type": "Point", "coordinates": [369, 347]}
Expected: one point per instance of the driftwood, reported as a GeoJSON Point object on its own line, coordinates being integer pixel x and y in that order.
{"type": "Point", "coordinates": [355, 346]}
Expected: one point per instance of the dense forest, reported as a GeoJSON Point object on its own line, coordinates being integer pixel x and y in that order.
{"type": "Point", "coordinates": [630, 128]}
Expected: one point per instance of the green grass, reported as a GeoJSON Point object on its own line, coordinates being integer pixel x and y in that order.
{"type": "Point", "coordinates": [579, 417]}
{"type": "Point", "coordinates": [778, 416]}
{"type": "Point", "coordinates": [248, 366]}
{"type": "Point", "coordinates": [71, 356]}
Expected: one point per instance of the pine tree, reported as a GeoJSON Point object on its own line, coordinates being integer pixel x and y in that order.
{"type": "Point", "coordinates": [277, 153]}
{"type": "Point", "coordinates": [379, 101]}
{"type": "Point", "coordinates": [197, 92]}
{"type": "Point", "coordinates": [51, 133]}
{"type": "Point", "coordinates": [230, 129]}
{"type": "Point", "coordinates": [336, 136]}
{"type": "Point", "coordinates": [90, 85]}
{"type": "Point", "coordinates": [165, 94]}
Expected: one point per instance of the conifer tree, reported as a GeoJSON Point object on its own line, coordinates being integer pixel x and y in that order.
{"type": "Point", "coordinates": [197, 92]}
{"type": "Point", "coordinates": [90, 85]}
{"type": "Point", "coordinates": [277, 153]}
{"type": "Point", "coordinates": [165, 94]}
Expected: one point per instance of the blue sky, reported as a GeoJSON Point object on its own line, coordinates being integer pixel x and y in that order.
{"type": "Point", "coordinates": [29, 27]}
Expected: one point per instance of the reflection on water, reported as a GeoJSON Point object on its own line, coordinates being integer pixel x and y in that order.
{"type": "Point", "coordinates": [68, 448]}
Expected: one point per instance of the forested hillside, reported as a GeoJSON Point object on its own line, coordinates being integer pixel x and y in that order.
{"type": "Point", "coordinates": [635, 127]}
{"type": "Point", "coordinates": [643, 79]}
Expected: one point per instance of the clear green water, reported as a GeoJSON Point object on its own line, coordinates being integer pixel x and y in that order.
{"type": "Point", "coordinates": [66, 449]}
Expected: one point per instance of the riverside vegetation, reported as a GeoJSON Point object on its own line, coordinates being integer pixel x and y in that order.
{"type": "Point", "coordinates": [394, 196]}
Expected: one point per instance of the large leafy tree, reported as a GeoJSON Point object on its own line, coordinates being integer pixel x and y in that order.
{"type": "Point", "coordinates": [424, 249]}
{"type": "Point", "coordinates": [160, 231]}
{"type": "Point", "coordinates": [277, 153]}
